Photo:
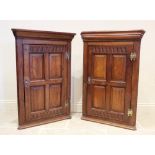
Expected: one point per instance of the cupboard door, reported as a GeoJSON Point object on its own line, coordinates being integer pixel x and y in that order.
{"type": "Point", "coordinates": [109, 80]}
{"type": "Point", "coordinates": [45, 70]}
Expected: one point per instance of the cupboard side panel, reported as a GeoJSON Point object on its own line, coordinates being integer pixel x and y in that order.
{"type": "Point", "coordinates": [68, 79]}
{"type": "Point", "coordinates": [85, 75]}
{"type": "Point", "coordinates": [20, 84]}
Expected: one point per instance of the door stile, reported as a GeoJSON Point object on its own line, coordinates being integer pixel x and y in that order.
{"type": "Point", "coordinates": [63, 84]}
{"type": "Point", "coordinates": [135, 77]}
{"type": "Point", "coordinates": [128, 82]}
{"type": "Point", "coordinates": [89, 84]}
{"type": "Point", "coordinates": [27, 82]}
{"type": "Point", "coordinates": [67, 71]}
{"type": "Point", "coordinates": [46, 63]}
{"type": "Point", "coordinates": [108, 79]}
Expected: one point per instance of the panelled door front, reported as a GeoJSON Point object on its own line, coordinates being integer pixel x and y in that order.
{"type": "Point", "coordinates": [109, 80]}
{"type": "Point", "coordinates": [45, 73]}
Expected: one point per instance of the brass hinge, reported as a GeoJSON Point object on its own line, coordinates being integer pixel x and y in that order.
{"type": "Point", "coordinates": [130, 112]}
{"type": "Point", "coordinates": [67, 55]}
{"type": "Point", "coordinates": [66, 103]}
{"type": "Point", "coordinates": [132, 56]}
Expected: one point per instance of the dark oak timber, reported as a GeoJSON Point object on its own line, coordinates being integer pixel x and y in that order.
{"type": "Point", "coordinates": [43, 63]}
{"type": "Point", "coordinates": [110, 76]}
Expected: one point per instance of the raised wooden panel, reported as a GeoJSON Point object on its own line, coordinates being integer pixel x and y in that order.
{"type": "Point", "coordinates": [99, 97]}
{"type": "Point", "coordinates": [36, 66]}
{"type": "Point", "coordinates": [37, 98]}
{"type": "Point", "coordinates": [55, 95]}
{"type": "Point", "coordinates": [55, 64]}
{"type": "Point", "coordinates": [99, 66]}
{"type": "Point", "coordinates": [118, 67]}
{"type": "Point", "coordinates": [117, 99]}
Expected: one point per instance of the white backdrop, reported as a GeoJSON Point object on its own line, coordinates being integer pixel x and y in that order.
{"type": "Point", "coordinates": [8, 67]}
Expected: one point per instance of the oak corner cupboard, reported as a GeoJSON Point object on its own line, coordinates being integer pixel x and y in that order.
{"type": "Point", "coordinates": [43, 68]}
{"type": "Point", "coordinates": [110, 76]}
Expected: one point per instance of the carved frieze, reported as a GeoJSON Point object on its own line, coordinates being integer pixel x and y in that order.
{"type": "Point", "coordinates": [47, 114]}
{"type": "Point", "coordinates": [108, 49]}
{"type": "Point", "coordinates": [47, 48]}
{"type": "Point", "coordinates": [106, 115]}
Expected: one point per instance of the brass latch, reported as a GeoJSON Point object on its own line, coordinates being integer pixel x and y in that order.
{"type": "Point", "coordinates": [132, 56]}
{"type": "Point", "coordinates": [27, 83]}
{"type": "Point", "coordinates": [89, 80]}
{"type": "Point", "coordinates": [130, 112]}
